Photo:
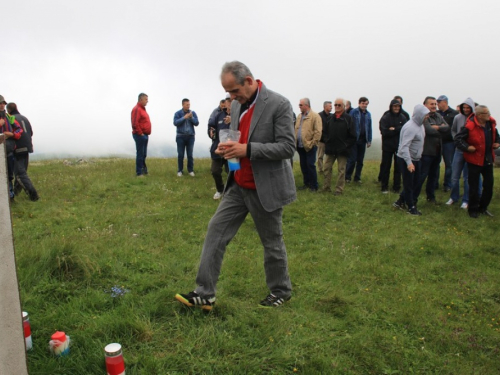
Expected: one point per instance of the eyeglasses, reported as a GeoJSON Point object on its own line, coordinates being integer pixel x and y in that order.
{"type": "Point", "coordinates": [300, 105]}
{"type": "Point", "coordinates": [337, 105]}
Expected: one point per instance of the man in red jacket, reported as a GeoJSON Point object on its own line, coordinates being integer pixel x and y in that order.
{"type": "Point", "coordinates": [141, 129]}
{"type": "Point", "coordinates": [478, 139]}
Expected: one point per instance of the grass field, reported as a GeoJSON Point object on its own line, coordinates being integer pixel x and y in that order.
{"type": "Point", "coordinates": [376, 291]}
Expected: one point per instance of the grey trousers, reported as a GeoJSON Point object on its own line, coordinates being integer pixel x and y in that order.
{"type": "Point", "coordinates": [234, 207]}
{"type": "Point", "coordinates": [321, 155]}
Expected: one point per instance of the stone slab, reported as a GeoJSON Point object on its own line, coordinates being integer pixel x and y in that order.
{"type": "Point", "coordinates": [12, 350]}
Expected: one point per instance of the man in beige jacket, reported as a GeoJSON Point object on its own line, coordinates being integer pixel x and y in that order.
{"type": "Point", "coordinates": [308, 127]}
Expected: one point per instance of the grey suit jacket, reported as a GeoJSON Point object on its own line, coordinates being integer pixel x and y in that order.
{"type": "Point", "coordinates": [272, 141]}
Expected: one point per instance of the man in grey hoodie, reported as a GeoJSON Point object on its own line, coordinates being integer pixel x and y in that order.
{"type": "Point", "coordinates": [411, 145]}
{"type": "Point", "coordinates": [459, 164]}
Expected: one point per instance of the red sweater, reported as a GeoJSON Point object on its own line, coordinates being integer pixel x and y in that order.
{"type": "Point", "coordinates": [244, 176]}
{"type": "Point", "coordinates": [140, 121]}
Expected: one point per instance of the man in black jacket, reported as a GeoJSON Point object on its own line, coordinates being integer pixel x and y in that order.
{"type": "Point", "coordinates": [339, 135]}
{"type": "Point", "coordinates": [407, 117]}
{"type": "Point", "coordinates": [390, 127]}
{"type": "Point", "coordinates": [24, 147]}
{"type": "Point", "coordinates": [324, 114]}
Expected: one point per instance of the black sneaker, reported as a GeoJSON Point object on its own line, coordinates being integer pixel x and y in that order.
{"type": "Point", "coordinates": [272, 301]}
{"type": "Point", "coordinates": [473, 214]}
{"type": "Point", "coordinates": [399, 204]}
{"type": "Point", "coordinates": [194, 299]}
{"type": "Point", "coordinates": [33, 196]}
{"type": "Point", "coordinates": [413, 211]}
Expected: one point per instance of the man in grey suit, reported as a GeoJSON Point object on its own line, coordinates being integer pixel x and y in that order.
{"type": "Point", "coordinates": [261, 187]}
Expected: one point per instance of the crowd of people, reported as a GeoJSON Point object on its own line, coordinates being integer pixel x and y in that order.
{"type": "Point", "coordinates": [464, 138]}
{"type": "Point", "coordinates": [16, 133]}
{"type": "Point", "coordinates": [413, 148]}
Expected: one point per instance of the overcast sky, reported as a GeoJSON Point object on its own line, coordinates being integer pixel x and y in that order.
{"type": "Point", "coordinates": [75, 68]}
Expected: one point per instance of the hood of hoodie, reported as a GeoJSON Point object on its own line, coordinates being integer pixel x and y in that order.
{"type": "Point", "coordinates": [470, 103]}
{"type": "Point", "coordinates": [419, 112]}
{"type": "Point", "coordinates": [394, 102]}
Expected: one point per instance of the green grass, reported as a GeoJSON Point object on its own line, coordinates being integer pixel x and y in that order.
{"type": "Point", "coordinates": [376, 291]}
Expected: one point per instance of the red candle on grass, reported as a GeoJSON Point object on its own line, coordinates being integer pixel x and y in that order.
{"type": "Point", "coordinates": [115, 365]}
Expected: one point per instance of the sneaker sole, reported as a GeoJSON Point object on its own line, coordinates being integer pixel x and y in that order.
{"type": "Point", "coordinates": [184, 301]}
{"type": "Point", "coordinates": [273, 307]}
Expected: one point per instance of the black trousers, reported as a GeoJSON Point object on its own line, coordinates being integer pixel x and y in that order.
{"type": "Point", "coordinates": [411, 183]}
{"type": "Point", "coordinates": [216, 169]}
{"type": "Point", "coordinates": [385, 171]}
{"type": "Point", "coordinates": [477, 204]}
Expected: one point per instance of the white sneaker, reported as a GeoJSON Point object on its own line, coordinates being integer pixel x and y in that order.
{"type": "Point", "coordinates": [217, 195]}
{"type": "Point", "coordinates": [191, 174]}
{"type": "Point", "coordinates": [464, 206]}
{"type": "Point", "coordinates": [179, 174]}
{"type": "Point", "coordinates": [450, 202]}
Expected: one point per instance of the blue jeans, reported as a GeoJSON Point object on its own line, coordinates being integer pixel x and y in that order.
{"type": "Point", "coordinates": [141, 146]}
{"type": "Point", "coordinates": [411, 183]}
{"type": "Point", "coordinates": [308, 166]}
{"type": "Point", "coordinates": [429, 166]}
{"type": "Point", "coordinates": [356, 159]}
{"type": "Point", "coordinates": [185, 143]}
{"type": "Point", "coordinates": [448, 151]}
{"type": "Point", "coordinates": [459, 166]}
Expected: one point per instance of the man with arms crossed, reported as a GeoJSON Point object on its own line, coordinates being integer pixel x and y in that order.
{"type": "Point", "coordinates": [262, 186]}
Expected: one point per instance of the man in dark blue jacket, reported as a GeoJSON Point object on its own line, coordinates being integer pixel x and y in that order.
{"type": "Point", "coordinates": [185, 120]}
{"type": "Point", "coordinates": [363, 122]}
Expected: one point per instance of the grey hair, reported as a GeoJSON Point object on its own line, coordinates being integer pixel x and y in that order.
{"type": "Point", "coordinates": [481, 107]}
{"type": "Point", "coordinates": [239, 70]}
{"type": "Point", "coordinates": [343, 100]}
{"type": "Point", "coordinates": [306, 101]}
{"type": "Point", "coordinates": [327, 102]}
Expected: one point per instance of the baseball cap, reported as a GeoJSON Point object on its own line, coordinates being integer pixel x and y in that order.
{"type": "Point", "coordinates": [2, 99]}
{"type": "Point", "coordinates": [442, 97]}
